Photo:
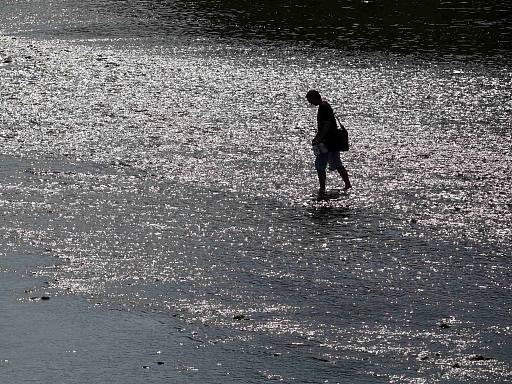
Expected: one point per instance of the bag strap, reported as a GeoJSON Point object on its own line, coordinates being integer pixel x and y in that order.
{"type": "Point", "coordinates": [340, 126]}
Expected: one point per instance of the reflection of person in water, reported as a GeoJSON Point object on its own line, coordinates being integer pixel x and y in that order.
{"type": "Point", "coordinates": [322, 143]}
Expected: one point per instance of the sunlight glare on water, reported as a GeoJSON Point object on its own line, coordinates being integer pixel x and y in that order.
{"type": "Point", "coordinates": [178, 179]}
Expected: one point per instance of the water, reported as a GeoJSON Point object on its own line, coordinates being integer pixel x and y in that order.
{"type": "Point", "coordinates": [447, 28]}
{"type": "Point", "coordinates": [171, 173]}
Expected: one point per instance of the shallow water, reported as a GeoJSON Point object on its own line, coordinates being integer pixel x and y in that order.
{"type": "Point", "coordinates": [176, 177]}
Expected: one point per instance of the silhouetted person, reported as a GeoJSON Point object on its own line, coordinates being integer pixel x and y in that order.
{"type": "Point", "coordinates": [323, 140]}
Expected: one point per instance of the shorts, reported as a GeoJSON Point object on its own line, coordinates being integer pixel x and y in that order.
{"type": "Point", "coordinates": [331, 158]}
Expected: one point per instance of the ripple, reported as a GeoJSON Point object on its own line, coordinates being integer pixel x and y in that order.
{"type": "Point", "coordinates": [179, 179]}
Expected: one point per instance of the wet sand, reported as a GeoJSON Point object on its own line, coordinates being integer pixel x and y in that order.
{"type": "Point", "coordinates": [67, 340]}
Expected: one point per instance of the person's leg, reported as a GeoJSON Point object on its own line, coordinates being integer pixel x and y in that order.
{"type": "Point", "coordinates": [320, 166]}
{"type": "Point", "coordinates": [344, 175]}
{"type": "Point", "coordinates": [336, 164]}
{"type": "Point", "coordinates": [322, 176]}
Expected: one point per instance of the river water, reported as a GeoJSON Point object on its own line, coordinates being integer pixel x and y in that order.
{"type": "Point", "coordinates": [170, 173]}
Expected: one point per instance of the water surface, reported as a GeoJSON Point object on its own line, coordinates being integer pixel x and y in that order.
{"type": "Point", "coordinates": [170, 172]}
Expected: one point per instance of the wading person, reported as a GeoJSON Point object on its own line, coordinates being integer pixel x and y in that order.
{"type": "Point", "coordinates": [323, 143]}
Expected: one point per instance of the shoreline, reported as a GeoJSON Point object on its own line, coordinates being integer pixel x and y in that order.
{"type": "Point", "coordinates": [65, 339]}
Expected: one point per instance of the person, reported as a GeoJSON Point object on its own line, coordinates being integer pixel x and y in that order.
{"type": "Point", "coordinates": [326, 125]}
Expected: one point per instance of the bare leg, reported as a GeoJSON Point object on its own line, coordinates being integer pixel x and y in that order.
{"type": "Point", "coordinates": [344, 175]}
{"type": "Point", "coordinates": [321, 180]}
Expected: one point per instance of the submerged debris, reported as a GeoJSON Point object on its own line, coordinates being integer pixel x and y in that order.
{"type": "Point", "coordinates": [479, 358]}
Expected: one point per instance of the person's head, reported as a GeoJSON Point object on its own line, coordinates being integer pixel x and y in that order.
{"type": "Point", "coordinates": [314, 97]}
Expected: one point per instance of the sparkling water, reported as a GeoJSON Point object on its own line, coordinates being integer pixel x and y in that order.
{"type": "Point", "coordinates": [171, 172]}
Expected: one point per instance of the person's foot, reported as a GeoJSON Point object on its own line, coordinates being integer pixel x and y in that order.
{"type": "Point", "coordinates": [321, 194]}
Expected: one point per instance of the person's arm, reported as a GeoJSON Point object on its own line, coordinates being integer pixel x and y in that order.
{"type": "Point", "coordinates": [325, 125]}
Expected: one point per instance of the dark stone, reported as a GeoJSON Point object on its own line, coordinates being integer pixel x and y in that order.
{"type": "Point", "coordinates": [123, 163]}
{"type": "Point", "coordinates": [320, 359]}
{"type": "Point", "coordinates": [160, 362]}
{"type": "Point", "coordinates": [479, 358]}
{"type": "Point", "coordinates": [456, 365]}
{"type": "Point", "coordinates": [239, 317]}
{"type": "Point", "coordinates": [45, 298]}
